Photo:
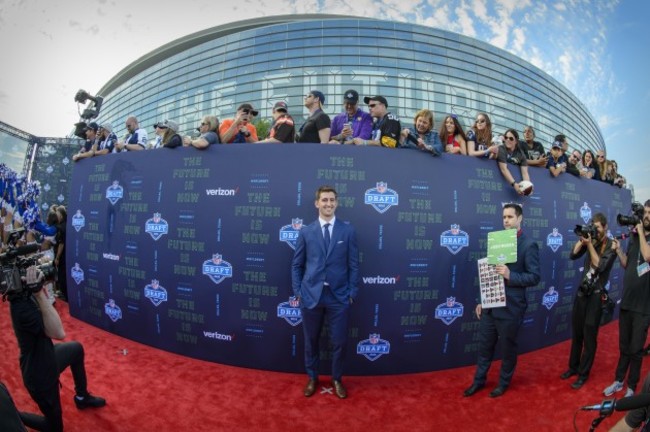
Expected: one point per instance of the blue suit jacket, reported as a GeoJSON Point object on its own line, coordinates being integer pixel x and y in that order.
{"type": "Point", "coordinates": [523, 273]}
{"type": "Point", "coordinates": [312, 265]}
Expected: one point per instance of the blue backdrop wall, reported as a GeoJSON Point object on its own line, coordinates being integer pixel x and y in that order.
{"type": "Point", "coordinates": [189, 251]}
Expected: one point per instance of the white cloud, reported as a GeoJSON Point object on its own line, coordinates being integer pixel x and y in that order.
{"type": "Point", "coordinates": [519, 39]}
{"type": "Point", "coordinates": [559, 6]}
{"type": "Point", "coordinates": [466, 22]}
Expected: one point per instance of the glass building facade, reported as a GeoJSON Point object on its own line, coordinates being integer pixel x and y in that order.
{"type": "Point", "coordinates": [265, 60]}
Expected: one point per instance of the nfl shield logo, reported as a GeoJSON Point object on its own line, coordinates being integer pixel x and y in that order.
{"type": "Point", "coordinates": [554, 240]}
{"type": "Point", "coordinates": [450, 310]}
{"type": "Point", "coordinates": [373, 347]}
{"type": "Point", "coordinates": [217, 269]}
{"type": "Point", "coordinates": [156, 226]}
{"type": "Point", "coordinates": [114, 192]}
{"type": "Point", "coordinates": [289, 313]}
{"type": "Point", "coordinates": [77, 273]}
{"type": "Point", "coordinates": [112, 310]}
{"type": "Point", "coordinates": [289, 233]}
{"type": "Point", "coordinates": [585, 213]}
{"type": "Point", "coordinates": [550, 298]}
{"type": "Point", "coordinates": [78, 221]}
{"type": "Point", "coordinates": [381, 198]}
{"type": "Point", "coordinates": [156, 293]}
{"type": "Point", "coordinates": [454, 239]}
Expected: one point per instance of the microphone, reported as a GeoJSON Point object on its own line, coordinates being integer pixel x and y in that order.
{"type": "Point", "coordinates": [625, 404]}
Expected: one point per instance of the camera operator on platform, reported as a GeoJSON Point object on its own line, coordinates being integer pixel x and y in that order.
{"type": "Point", "coordinates": [587, 305]}
{"type": "Point", "coordinates": [634, 317]}
{"type": "Point", "coordinates": [35, 322]}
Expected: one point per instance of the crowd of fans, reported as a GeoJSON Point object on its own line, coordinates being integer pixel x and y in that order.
{"type": "Point", "coordinates": [378, 127]}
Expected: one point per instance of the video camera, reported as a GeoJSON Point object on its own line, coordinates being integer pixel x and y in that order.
{"type": "Point", "coordinates": [14, 264]}
{"type": "Point", "coordinates": [586, 231]}
{"type": "Point", "coordinates": [634, 218]}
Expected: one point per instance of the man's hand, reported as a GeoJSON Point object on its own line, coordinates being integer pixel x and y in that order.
{"type": "Point", "coordinates": [503, 270]}
{"type": "Point", "coordinates": [615, 245]}
{"type": "Point", "coordinates": [34, 278]}
{"type": "Point", "coordinates": [478, 311]}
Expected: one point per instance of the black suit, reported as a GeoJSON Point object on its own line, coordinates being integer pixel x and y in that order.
{"type": "Point", "coordinates": [502, 324]}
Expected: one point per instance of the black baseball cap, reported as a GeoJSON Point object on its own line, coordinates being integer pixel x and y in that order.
{"type": "Point", "coordinates": [280, 106]}
{"type": "Point", "coordinates": [351, 96]}
{"type": "Point", "coordinates": [381, 99]}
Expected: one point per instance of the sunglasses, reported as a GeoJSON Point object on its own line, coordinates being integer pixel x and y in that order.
{"type": "Point", "coordinates": [205, 124]}
{"type": "Point", "coordinates": [480, 120]}
{"type": "Point", "coordinates": [510, 138]}
{"type": "Point", "coordinates": [600, 157]}
{"type": "Point", "coordinates": [372, 105]}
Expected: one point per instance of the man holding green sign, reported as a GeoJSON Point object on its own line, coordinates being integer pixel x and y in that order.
{"type": "Point", "coordinates": [501, 324]}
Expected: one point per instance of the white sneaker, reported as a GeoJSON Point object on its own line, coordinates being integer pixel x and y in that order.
{"type": "Point", "coordinates": [615, 387]}
{"type": "Point", "coordinates": [629, 392]}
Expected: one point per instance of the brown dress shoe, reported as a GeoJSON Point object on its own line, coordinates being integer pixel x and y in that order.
{"type": "Point", "coordinates": [339, 389]}
{"type": "Point", "coordinates": [310, 388]}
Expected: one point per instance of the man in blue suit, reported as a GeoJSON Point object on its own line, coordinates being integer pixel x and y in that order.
{"type": "Point", "coordinates": [325, 275]}
{"type": "Point", "coordinates": [502, 324]}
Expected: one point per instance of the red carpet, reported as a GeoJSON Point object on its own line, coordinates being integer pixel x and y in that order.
{"type": "Point", "coordinates": [151, 390]}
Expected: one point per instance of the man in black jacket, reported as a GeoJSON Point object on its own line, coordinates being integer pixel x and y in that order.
{"type": "Point", "coordinates": [501, 324]}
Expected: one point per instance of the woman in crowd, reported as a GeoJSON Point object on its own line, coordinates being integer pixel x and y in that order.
{"type": "Point", "coordinates": [209, 129]}
{"type": "Point", "coordinates": [452, 136]}
{"type": "Point", "coordinates": [171, 138]}
{"type": "Point", "coordinates": [422, 135]}
{"type": "Point", "coordinates": [479, 138]}
{"type": "Point", "coordinates": [601, 167]}
{"type": "Point", "coordinates": [588, 170]}
{"type": "Point", "coordinates": [618, 180]}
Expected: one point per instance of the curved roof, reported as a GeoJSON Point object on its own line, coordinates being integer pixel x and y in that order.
{"type": "Point", "coordinates": [194, 39]}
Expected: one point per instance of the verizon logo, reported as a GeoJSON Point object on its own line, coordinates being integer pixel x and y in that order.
{"type": "Point", "coordinates": [217, 335]}
{"type": "Point", "coordinates": [380, 280]}
{"type": "Point", "coordinates": [221, 192]}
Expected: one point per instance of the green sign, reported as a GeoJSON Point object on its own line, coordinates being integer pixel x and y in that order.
{"type": "Point", "coordinates": [502, 247]}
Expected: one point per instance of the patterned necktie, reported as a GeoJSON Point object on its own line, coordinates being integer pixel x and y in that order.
{"type": "Point", "coordinates": [326, 235]}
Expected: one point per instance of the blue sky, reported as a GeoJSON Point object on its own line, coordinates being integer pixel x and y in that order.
{"type": "Point", "coordinates": [597, 49]}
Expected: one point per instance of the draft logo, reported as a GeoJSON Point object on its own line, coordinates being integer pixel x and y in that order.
{"type": "Point", "coordinates": [156, 226]}
{"type": "Point", "coordinates": [112, 310]}
{"type": "Point", "coordinates": [450, 310]}
{"type": "Point", "coordinates": [381, 198]}
{"type": "Point", "coordinates": [373, 347]}
{"type": "Point", "coordinates": [78, 221]}
{"type": "Point", "coordinates": [550, 297]}
{"type": "Point", "coordinates": [290, 311]}
{"type": "Point", "coordinates": [114, 192]}
{"type": "Point", "coordinates": [289, 233]}
{"type": "Point", "coordinates": [454, 239]}
{"type": "Point", "coordinates": [155, 292]}
{"type": "Point", "coordinates": [77, 273]}
{"type": "Point", "coordinates": [554, 240]}
{"type": "Point", "coordinates": [217, 269]}
{"type": "Point", "coordinates": [585, 213]}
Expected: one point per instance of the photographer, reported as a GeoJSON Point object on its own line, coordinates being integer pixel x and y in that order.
{"type": "Point", "coordinates": [587, 306]}
{"type": "Point", "coordinates": [35, 322]}
{"type": "Point", "coordinates": [634, 317]}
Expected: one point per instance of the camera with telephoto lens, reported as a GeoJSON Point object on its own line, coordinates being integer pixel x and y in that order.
{"type": "Point", "coordinates": [634, 218]}
{"type": "Point", "coordinates": [586, 231]}
{"type": "Point", "coordinates": [14, 264]}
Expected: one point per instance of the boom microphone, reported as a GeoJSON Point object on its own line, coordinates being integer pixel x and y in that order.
{"type": "Point", "coordinates": [625, 404]}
